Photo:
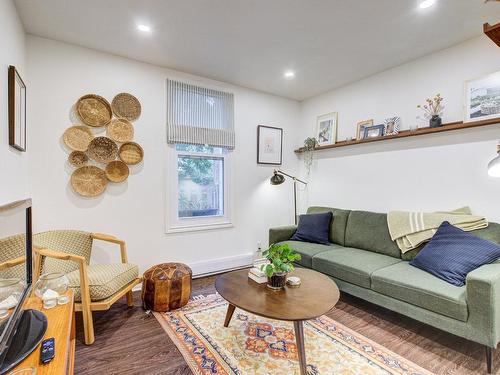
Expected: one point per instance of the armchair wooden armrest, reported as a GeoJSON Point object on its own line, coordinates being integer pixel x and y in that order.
{"type": "Point", "coordinates": [113, 239]}
{"type": "Point", "coordinates": [58, 255]}
{"type": "Point", "coordinates": [84, 283]}
{"type": "Point", "coordinates": [12, 263]}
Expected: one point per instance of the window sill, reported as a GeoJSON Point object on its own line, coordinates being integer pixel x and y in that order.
{"type": "Point", "coordinates": [198, 227]}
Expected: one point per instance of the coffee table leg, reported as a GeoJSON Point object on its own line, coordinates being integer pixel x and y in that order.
{"type": "Point", "coordinates": [229, 314]}
{"type": "Point", "coordinates": [299, 336]}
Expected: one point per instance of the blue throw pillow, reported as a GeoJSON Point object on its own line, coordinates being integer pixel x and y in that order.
{"type": "Point", "coordinates": [452, 253]}
{"type": "Point", "coordinates": [313, 228]}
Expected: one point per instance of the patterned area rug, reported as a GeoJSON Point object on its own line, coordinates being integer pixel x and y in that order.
{"type": "Point", "coordinates": [261, 346]}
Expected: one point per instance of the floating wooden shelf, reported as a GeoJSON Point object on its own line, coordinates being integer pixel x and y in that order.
{"type": "Point", "coordinates": [493, 32]}
{"type": "Point", "coordinates": [409, 133]}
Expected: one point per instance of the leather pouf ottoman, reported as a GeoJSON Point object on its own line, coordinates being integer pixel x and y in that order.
{"type": "Point", "coordinates": [166, 287]}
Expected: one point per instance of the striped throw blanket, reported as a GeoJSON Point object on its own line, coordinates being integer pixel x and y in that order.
{"type": "Point", "coordinates": [411, 229]}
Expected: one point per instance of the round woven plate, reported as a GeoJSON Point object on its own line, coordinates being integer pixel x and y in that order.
{"type": "Point", "coordinates": [94, 110]}
{"type": "Point", "coordinates": [131, 153]}
{"type": "Point", "coordinates": [89, 181]}
{"type": "Point", "coordinates": [103, 149]}
{"type": "Point", "coordinates": [78, 137]}
{"type": "Point", "coordinates": [126, 106]}
{"type": "Point", "coordinates": [78, 158]}
{"type": "Point", "coordinates": [117, 171]}
{"type": "Point", "coordinates": [120, 130]}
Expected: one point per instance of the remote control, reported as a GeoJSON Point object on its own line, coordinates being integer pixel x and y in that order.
{"type": "Point", "coordinates": [48, 350]}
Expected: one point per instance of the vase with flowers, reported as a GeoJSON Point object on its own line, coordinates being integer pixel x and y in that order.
{"type": "Point", "coordinates": [433, 109]}
{"type": "Point", "coordinates": [281, 258]}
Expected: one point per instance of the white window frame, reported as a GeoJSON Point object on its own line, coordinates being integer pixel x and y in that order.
{"type": "Point", "coordinates": [175, 224]}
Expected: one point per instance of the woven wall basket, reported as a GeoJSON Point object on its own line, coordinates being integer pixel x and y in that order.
{"type": "Point", "coordinates": [78, 158]}
{"type": "Point", "coordinates": [103, 149]}
{"type": "Point", "coordinates": [120, 130]}
{"type": "Point", "coordinates": [78, 137]}
{"type": "Point", "coordinates": [89, 181]}
{"type": "Point", "coordinates": [126, 106]}
{"type": "Point", "coordinates": [131, 153]}
{"type": "Point", "coordinates": [94, 110]}
{"type": "Point", "coordinates": [117, 171]}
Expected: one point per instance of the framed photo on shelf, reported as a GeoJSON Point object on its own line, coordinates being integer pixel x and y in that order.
{"type": "Point", "coordinates": [392, 125]}
{"type": "Point", "coordinates": [326, 129]}
{"type": "Point", "coordinates": [269, 145]}
{"type": "Point", "coordinates": [360, 132]}
{"type": "Point", "coordinates": [374, 131]}
{"type": "Point", "coordinates": [482, 98]}
{"type": "Point", "coordinates": [17, 110]}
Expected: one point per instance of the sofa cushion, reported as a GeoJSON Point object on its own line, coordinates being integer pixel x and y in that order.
{"type": "Point", "coordinates": [308, 250]}
{"type": "Point", "coordinates": [490, 233]}
{"type": "Point", "coordinates": [104, 279]}
{"type": "Point", "coordinates": [352, 265]}
{"type": "Point", "coordinates": [313, 228]}
{"type": "Point", "coordinates": [419, 288]}
{"type": "Point", "coordinates": [369, 231]}
{"type": "Point", "coordinates": [337, 225]}
{"type": "Point", "coordinates": [452, 253]}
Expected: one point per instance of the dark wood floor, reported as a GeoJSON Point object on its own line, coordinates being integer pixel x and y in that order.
{"type": "Point", "coordinates": [130, 342]}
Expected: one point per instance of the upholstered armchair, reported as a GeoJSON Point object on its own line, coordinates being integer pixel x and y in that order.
{"type": "Point", "coordinates": [96, 286]}
{"type": "Point", "coordinates": [13, 257]}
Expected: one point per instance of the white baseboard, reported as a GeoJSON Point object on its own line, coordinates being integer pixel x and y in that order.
{"type": "Point", "coordinates": [210, 267]}
{"type": "Point", "coordinates": [215, 266]}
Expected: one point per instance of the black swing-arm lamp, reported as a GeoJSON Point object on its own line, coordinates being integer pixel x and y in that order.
{"type": "Point", "coordinates": [279, 177]}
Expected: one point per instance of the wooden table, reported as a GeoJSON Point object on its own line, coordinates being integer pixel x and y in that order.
{"type": "Point", "coordinates": [61, 326]}
{"type": "Point", "coordinates": [317, 295]}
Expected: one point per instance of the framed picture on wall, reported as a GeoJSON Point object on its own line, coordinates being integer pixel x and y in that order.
{"type": "Point", "coordinates": [269, 145]}
{"type": "Point", "coordinates": [326, 129]}
{"type": "Point", "coordinates": [482, 98]}
{"type": "Point", "coordinates": [17, 110]}
{"type": "Point", "coordinates": [360, 133]}
{"type": "Point", "coordinates": [392, 125]}
{"type": "Point", "coordinates": [374, 131]}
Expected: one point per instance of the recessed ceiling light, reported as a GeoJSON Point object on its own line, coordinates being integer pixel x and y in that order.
{"type": "Point", "coordinates": [427, 4]}
{"type": "Point", "coordinates": [289, 74]}
{"type": "Point", "coordinates": [144, 28]}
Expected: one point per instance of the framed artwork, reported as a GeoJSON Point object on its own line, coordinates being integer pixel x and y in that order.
{"type": "Point", "coordinates": [17, 110]}
{"type": "Point", "coordinates": [326, 131]}
{"type": "Point", "coordinates": [482, 98]}
{"type": "Point", "coordinates": [269, 145]}
{"type": "Point", "coordinates": [392, 125]}
{"type": "Point", "coordinates": [374, 131]}
{"type": "Point", "coordinates": [360, 133]}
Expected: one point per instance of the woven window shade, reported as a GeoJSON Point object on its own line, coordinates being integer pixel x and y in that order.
{"type": "Point", "coordinates": [198, 115]}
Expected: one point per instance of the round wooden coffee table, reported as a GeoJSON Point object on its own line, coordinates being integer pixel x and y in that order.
{"type": "Point", "coordinates": [317, 295]}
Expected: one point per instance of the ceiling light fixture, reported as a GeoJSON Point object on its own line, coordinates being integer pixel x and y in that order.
{"type": "Point", "coordinates": [427, 4]}
{"type": "Point", "coordinates": [289, 74]}
{"type": "Point", "coordinates": [144, 28]}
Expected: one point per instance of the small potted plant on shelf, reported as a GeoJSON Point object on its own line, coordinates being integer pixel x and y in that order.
{"type": "Point", "coordinates": [433, 109]}
{"type": "Point", "coordinates": [281, 258]}
{"type": "Point", "coordinates": [309, 146]}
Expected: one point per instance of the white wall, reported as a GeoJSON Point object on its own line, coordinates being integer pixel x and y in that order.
{"type": "Point", "coordinates": [434, 172]}
{"type": "Point", "coordinates": [14, 179]}
{"type": "Point", "coordinates": [61, 73]}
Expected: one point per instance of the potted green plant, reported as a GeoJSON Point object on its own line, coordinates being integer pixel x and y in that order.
{"type": "Point", "coordinates": [281, 258]}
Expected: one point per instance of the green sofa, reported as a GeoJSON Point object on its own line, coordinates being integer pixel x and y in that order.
{"type": "Point", "coordinates": [364, 262]}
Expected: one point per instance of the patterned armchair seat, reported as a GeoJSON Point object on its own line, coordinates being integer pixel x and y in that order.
{"type": "Point", "coordinates": [104, 280]}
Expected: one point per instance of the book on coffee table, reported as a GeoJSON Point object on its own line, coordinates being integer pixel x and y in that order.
{"type": "Point", "coordinates": [257, 275]}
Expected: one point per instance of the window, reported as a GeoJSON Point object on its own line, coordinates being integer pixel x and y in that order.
{"type": "Point", "coordinates": [200, 131]}
{"type": "Point", "coordinates": [199, 188]}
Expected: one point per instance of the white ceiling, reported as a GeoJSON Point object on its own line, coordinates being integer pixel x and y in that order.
{"type": "Point", "coordinates": [328, 43]}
